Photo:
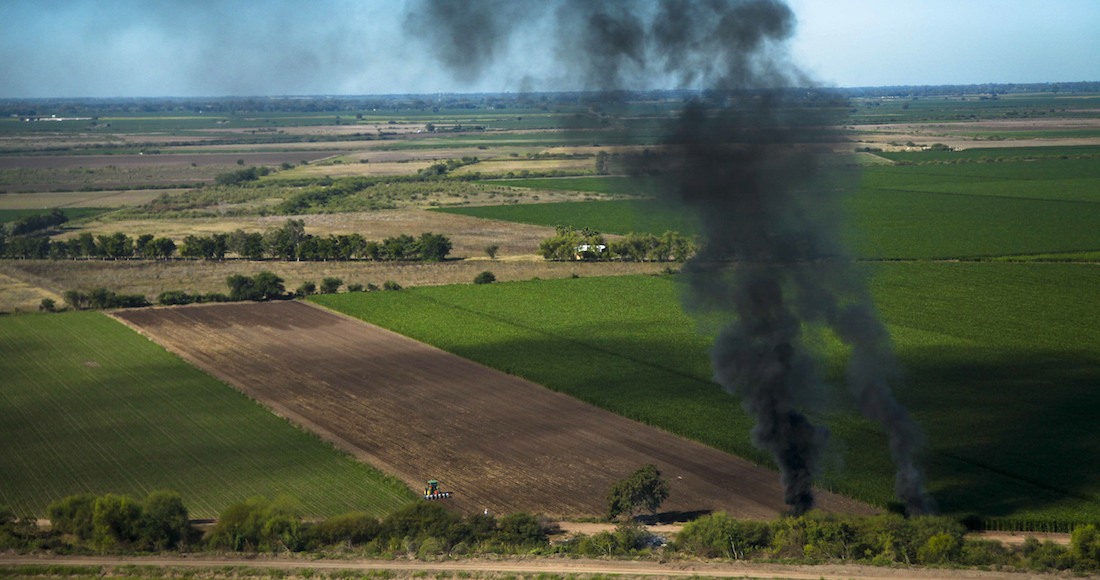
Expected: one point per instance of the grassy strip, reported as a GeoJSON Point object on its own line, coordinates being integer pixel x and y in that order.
{"type": "Point", "coordinates": [91, 406]}
{"type": "Point", "coordinates": [999, 371]}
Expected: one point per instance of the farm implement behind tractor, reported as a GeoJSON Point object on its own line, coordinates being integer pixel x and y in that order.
{"type": "Point", "coordinates": [434, 492]}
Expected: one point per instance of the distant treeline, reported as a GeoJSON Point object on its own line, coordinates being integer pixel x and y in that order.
{"type": "Point", "coordinates": [376, 104]}
{"type": "Point", "coordinates": [289, 242]}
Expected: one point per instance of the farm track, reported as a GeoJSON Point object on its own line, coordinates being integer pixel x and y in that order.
{"type": "Point", "coordinates": [499, 442]}
{"type": "Point", "coordinates": [529, 567]}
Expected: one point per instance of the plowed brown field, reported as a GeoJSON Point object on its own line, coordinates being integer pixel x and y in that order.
{"type": "Point", "coordinates": [499, 442]}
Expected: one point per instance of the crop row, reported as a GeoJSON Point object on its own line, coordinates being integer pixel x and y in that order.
{"type": "Point", "coordinates": [91, 406]}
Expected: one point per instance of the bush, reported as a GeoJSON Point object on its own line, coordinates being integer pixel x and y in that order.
{"type": "Point", "coordinates": [331, 285]}
{"type": "Point", "coordinates": [174, 298]}
{"type": "Point", "coordinates": [719, 535]}
{"type": "Point", "coordinates": [355, 287]}
{"type": "Point", "coordinates": [521, 529]}
{"type": "Point", "coordinates": [307, 288]}
{"type": "Point", "coordinates": [258, 524]}
{"type": "Point", "coordinates": [47, 305]}
{"type": "Point", "coordinates": [391, 285]}
{"type": "Point", "coordinates": [485, 277]}
{"type": "Point", "coordinates": [72, 515]}
{"type": "Point", "coordinates": [350, 529]}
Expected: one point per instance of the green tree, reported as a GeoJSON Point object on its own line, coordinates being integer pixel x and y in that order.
{"type": "Point", "coordinates": [331, 285]}
{"type": "Point", "coordinates": [268, 285]}
{"type": "Point", "coordinates": [164, 522]}
{"type": "Point", "coordinates": [115, 520]}
{"type": "Point", "coordinates": [485, 277]}
{"type": "Point", "coordinates": [645, 488]}
{"type": "Point", "coordinates": [73, 515]}
{"type": "Point", "coordinates": [491, 251]}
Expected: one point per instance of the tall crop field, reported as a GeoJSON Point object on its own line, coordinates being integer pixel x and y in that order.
{"type": "Point", "coordinates": [1001, 363]}
{"type": "Point", "coordinates": [89, 405]}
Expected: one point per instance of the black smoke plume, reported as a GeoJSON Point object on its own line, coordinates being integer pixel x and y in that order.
{"type": "Point", "coordinates": [749, 157]}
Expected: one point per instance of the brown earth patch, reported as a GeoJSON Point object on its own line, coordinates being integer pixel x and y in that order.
{"type": "Point", "coordinates": [499, 442]}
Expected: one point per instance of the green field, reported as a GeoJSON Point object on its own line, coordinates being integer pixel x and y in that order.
{"type": "Point", "coordinates": [936, 210]}
{"type": "Point", "coordinates": [1001, 366]}
{"type": "Point", "coordinates": [89, 405]}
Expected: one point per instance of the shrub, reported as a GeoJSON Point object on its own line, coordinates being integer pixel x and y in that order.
{"type": "Point", "coordinates": [391, 285]}
{"type": "Point", "coordinates": [521, 529]}
{"type": "Point", "coordinates": [331, 285]}
{"type": "Point", "coordinates": [47, 305]}
{"type": "Point", "coordinates": [307, 288]}
{"type": "Point", "coordinates": [355, 287]}
{"type": "Point", "coordinates": [72, 515]}
{"type": "Point", "coordinates": [258, 524]}
{"type": "Point", "coordinates": [174, 297]}
{"type": "Point", "coordinates": [485, 277]}
{"type": "Point", "coordinates": [351, 529]}
{"type": "Point", "coordinates": [719, 535]}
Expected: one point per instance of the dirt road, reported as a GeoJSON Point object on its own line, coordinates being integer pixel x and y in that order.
{"type": "Point", "coordinates": [563, 566]}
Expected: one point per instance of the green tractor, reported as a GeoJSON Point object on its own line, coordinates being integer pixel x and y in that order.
{"type": "Point", "coordinates": [434, 492]}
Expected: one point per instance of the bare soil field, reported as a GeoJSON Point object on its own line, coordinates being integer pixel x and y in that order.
{"type": "Point", "coordinates": [499, 442]}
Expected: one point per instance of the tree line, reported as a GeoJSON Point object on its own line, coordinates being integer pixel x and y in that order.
{"type": "Point", "coordinates": [121, 524]}
{"type": "Point", "coordinates": [587, 244]}
{"type": "Point", "coordinates": [288, 242]}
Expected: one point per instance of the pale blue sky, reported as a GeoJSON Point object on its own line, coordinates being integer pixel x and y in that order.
{"type": "Point", "coordinates": [104, 48]}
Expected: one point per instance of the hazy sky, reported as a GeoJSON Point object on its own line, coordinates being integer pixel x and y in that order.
{"type": "Point", "coordinates": [104, 48]}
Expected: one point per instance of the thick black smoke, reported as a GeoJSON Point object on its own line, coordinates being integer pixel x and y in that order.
{"type": "Point", "coordinates": [750, 159]}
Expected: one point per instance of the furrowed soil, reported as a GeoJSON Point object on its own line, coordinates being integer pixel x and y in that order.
{"type": "Point", "coordinates": [498, 442]}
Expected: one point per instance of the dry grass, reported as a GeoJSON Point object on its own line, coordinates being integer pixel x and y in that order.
{"type": "Point", "coordinates": [469, 235]}
{"type": "Point", "coordinates": [17, 295]}
{"type": "Point", "coordinates": [502, 166]}
{"type": "Point", "coordinates": [36, 279]}
{"type": "Point", "coordinates": [116, 198]}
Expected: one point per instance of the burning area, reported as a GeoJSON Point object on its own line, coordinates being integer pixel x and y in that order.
{"type": "Point", "coordinates": [748, 156]}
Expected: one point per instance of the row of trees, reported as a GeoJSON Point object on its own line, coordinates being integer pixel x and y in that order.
{"type": "Point", "coordinates": [289, 242]}
{"type": "Point", "coordinates": [119, 523]}
{"type": "Point", "coordinates": [587, 244]}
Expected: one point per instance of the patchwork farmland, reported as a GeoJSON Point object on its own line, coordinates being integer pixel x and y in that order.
{"type": "Point", "coordinates": [499, 442]}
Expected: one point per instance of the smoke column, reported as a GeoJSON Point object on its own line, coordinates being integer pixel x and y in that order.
{"type": "Point", "coordinates": [749, 159]}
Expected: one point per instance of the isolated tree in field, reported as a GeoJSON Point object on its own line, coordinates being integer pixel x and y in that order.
{"type": "Point", "coordinates": [644, 488]}
{"type": "Point", "coordinates": [491, 251]}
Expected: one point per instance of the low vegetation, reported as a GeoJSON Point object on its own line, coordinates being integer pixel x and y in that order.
{"type": "Point", "coordinates": [190, 433]}
{"type": "Point", "coordinates": [118, 524]}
